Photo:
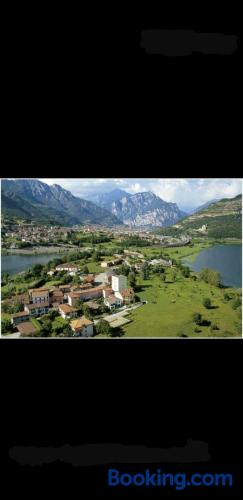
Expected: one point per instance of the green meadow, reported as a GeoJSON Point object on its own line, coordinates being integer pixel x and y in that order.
{"type": "Point", "coordinates": [170, 307]}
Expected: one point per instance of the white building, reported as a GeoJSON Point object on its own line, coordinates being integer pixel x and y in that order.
{"type": "Point", "coordinates": [113, 302]}
{"type": "Point", "coordinates": [119, 283]}
{"type": "Point", "coordinates": [39, 296]}
{"type": "Point", "coordinates": [68, 268]}
{"type": "Point", "coordinates": [82, 327]}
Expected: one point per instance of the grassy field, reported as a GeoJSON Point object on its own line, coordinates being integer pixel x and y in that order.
{"type": "Point", "coordinates": [51, 283]}
{"type": "Point", "coordinates": [36, 323]}
{"type": "Point", "coordinates": [170, 306]}
{"type": "Point", "coordinates": [188, 252]}
{"type": "Point", "coordinates": [94, 267]}
{"type": "Point", "coordinates": [177, 252]}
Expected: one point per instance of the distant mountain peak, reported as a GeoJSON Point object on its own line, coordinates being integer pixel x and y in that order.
{"type": "Point", "coordinates": [144, 209]}
{"type": "Point", "coordinates": [119, 191]}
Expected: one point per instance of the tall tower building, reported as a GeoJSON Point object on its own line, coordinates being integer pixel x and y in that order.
{"type": "Point", "coordinates": [119, 283]}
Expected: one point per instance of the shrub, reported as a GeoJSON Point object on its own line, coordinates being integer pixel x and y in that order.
{"type": "Point", "coordinates": [236, 303]}
{"type": "Point", "coordinates": [6, 326]}
{"type": "Point", "coordinates": [214, 326]}
{"type": "Point", "coordinates": [210, 276]}
{"type": "Point", "coordinates": [207, 303]}
{"type": "Point", "coordinates": [197, 318]}
{"type": "Point", "coordinates": [103, 327]}
{"type": "Point", "coordinates": [226, 297]}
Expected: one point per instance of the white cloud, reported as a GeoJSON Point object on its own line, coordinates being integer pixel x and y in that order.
{"type": "Point", "coordinates": [196, 192]}
{"type": "Point", "coordinates": [184, 192]}
{"type": "Point", "coordinates": [136, 188]}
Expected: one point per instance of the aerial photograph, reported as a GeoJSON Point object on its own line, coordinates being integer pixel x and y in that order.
{"type": "Point", "coordinates": [121, 258]}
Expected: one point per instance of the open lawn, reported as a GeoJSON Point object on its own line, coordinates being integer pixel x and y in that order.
{"type": "Point", "coordinates": [190, 252]}
{"type": "Point", "coordinates": [36, 323]}
{"type": "Point", "coordinates": [170, 306]}
{"type": "Point", "coordinates": [51, 283]}
{"type": "Point", "coordinates": [94, 267]}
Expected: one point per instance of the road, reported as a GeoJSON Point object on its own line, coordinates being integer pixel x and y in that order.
{"type": "Point", "coordinates": [122, 312]}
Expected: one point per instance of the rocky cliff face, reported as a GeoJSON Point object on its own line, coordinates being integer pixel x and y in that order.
{"type": "Point", "coordinates": [141, 209]}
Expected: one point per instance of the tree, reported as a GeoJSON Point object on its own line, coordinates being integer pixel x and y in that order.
{"type": "Point", "coordinates": [65, 279]}
{"type": "Point", "coordinates": [185, 271]}
{"type": "Point", "coordinates": [47, 325]}
{"type": "Point", "coordinates": [87, 312]}
{"type": "Point", "coordinates": [44, 332]}
{"type": "Point", "coordinates": [52, 314]}
{"type": "Point", "coordinates": [132, 279]}
{"type": "Point", "coordinates": [6, 326]}
{"type": "Point", "coordinates": [96, 256]}
{"type": "Point", "coordinates": [67, 331]}
{"type": "Point", "coordinates": [145, 271]}
{"type": "Point", "coordinates": [207, 303]}
{"type": "Point", "coordinates": [236, 303]}
{"type": "Point", "coordinates": [18, 307]}
{"type": "Point", "coordinates": [173, 274]}
{"type": "Point", "coordinates": [6, 308]}
{"type": "Point", "coordinates": [76, 280]}
{"type": "Point", "coordinates": [37, 270]}
{"type": "Point", "coordinates": [5, 277]}
{"type": "Point", "coordinates": [80, 307]}
{"type": "Point", "coordinates": [58, 325]}
{"type": "Point", "coordinates": [124, 270]}
{"type": "Point", "coordinates": [103, 327]}
{"type": "Point", "coordinates": [210, 276]}
{"type": "Point", "coordinates": [197, 318]}
{"type": "Point", "coordinates": [227, 297]}
{"type": "Point", "coordinates": [214, 326]}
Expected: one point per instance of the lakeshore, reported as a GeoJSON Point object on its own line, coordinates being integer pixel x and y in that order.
{"type": "Point", "coordinates": [166, 306]}
{"type": "Point", "coordinates": [38, 250]}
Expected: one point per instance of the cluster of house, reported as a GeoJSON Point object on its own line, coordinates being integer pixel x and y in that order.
{"type": "Point", "coordinates": [124, 259]}
{"type": "Point", "coordinates": [118, 294]}
{"type": "Point", "coordinates": [34, 234]}
{"type": "Point", "coordinates": [65, 298]}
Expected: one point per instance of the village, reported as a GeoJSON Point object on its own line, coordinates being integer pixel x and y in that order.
{"type": "Point", "coordinates": [104, 296]}
{"type": "Point", "coordinates": [29, 236]}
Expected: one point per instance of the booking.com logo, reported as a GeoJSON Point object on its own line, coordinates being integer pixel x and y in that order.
{"type": "Point", "coordinates": [179, 481]}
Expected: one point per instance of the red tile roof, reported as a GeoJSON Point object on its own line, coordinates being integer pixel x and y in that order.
{"type": "Point", "coordinates": [78, 324]}
{"type": "Point", "coordinates": [20, 314]}
{"type": "Point", "coordinates": [26, 328]}
{"type": "Point", "coordinates": [66, 308]}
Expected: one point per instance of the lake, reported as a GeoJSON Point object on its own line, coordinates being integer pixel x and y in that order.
{"type": "Point", "coordinates": [227, 259]}
{"type": "Point", "coordinates": [14, 264]}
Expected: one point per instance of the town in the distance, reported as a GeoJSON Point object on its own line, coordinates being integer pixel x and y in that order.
{"type": "Point", "coordinates": [117, 264]}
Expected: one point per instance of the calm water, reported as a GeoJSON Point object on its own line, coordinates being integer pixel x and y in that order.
{"type": "Point", "coordinates": [227, 259]}
{"type": "Point", "coordinates": [13, 264]}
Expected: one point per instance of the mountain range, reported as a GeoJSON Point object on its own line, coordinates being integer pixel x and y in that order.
{"type": "Point", "coordinates": [35, 200]}
{"type": "Point", "coordinates": [139, 210]}
{"type": "Point", "coordinates": [32, 199]}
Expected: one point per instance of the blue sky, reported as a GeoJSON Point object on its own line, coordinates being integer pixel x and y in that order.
{"type": "Point", "coordinates": [185, 192]}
